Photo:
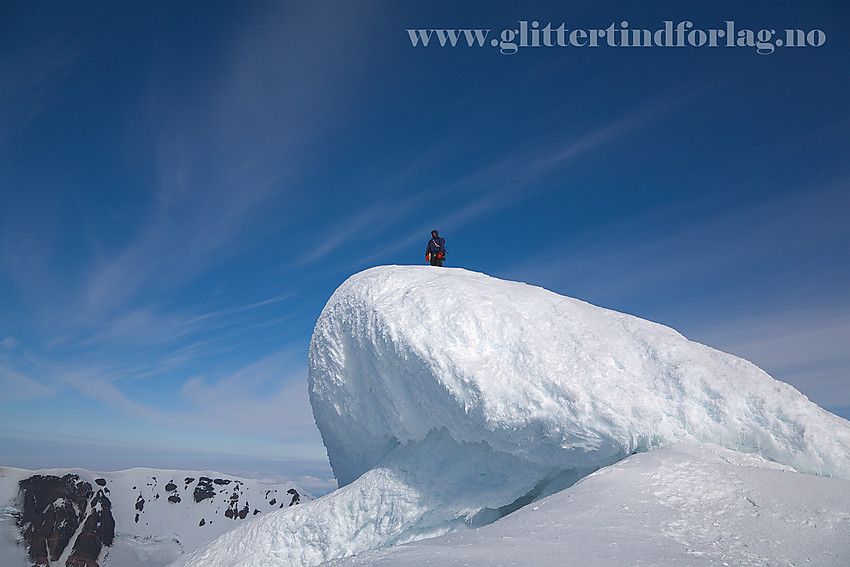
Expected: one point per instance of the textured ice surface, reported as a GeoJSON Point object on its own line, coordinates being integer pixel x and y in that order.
{"type": "Point", "coordinates": [556, 382]}
{"type": "Point", "coordinates": [447, 399]}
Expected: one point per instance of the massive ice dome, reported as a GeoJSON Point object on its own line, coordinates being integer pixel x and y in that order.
{"type": "Point", "coordinates": [448, 399]}
{"type": "Point", "coordinates": [543, 379]}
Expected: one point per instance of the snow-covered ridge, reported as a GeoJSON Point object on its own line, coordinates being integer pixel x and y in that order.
{"type": "Point", "coordinates": [448, 399]}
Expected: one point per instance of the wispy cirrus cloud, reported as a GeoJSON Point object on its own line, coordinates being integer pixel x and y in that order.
{"type": "Point", "coordinates": [661, 248]}
{"type": "Point", "coordinates": [149, 326]}
{"type": "Point", "coordinates": [262, 406]}
{"type": "Point", "coordinates": [269, 395]}
{"type": "Point", "coordinates": [791, 328]}
{"type": "Point", "coordinates": [187, 235]}
{"type": "Point", "coordinates": [16, 385]}
{"type": "Point", "coordinates": [228, 162]}
{"type": "Point", "coordinates": [482, 190]}
{"type": "Point", "coordinates": [222, 180]}
{"type": "Point", "coordinates": [803, 345]}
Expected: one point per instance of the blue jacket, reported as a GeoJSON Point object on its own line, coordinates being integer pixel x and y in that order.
{"type": "Point", "coordinates": [435, 245]}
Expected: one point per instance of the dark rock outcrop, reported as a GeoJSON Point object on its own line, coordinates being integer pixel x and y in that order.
{"type": "Point", "coordinates": [296, 498]}
{"type": "Point", "coordinates": [204, 489]}
{"type": "Point", "coordinates": [55, 509]}
{"type": "Point", "coordinates": [233, 512]}
{"type": "Point", "coordinates": [98, 531]}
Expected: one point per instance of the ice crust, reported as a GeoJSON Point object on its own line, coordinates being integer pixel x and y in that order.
{"type": "Point", "coordinates": [400, 351]}
{"type": "Point", "coordinates": [448, 399]}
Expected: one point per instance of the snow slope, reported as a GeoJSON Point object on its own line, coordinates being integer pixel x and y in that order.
{"type": "Point", "coordinates": [448, 399]}
{"type": "Point", "coordinates": [692, 505]}
{"type": "Point", "coordinates": [157, 513]}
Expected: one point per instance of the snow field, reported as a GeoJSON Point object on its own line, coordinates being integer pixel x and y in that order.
{"type": "Point", "coordinates": [692, 505]}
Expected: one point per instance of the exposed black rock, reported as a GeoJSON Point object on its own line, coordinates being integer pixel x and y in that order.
{"type": "Point", "coordinates": [55, 509]}
{"type": "Point", "coordinates": [204, 489]}
{"type": "Point", "coordinates": [189, 480]}
{"type": "Point", "coordinates": [100, 481]}
{"type": "Point", "coordinates": [273, 501]}
{"type": "Point", "coordinates": [202, 522]}
{"type": "Point", "coordinates": [233, 511]}
{"type": "Point", "coordinates": [98, 531]}
{"type": "Point", "coordinates": [256, 512]}
{"type": "Point", "coordinates": [140, 503]}
{"type": "Point", "coordinates": [222, 481]}
{"type": "Point", "coordinates": [170, 487]}
{"type": "Point", "coordinates": [296, 498]}
{"type": "Point", "coordinates": [174, 499]}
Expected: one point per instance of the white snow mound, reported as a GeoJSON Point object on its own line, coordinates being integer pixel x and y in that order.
{"type": "Point", "coordinates": [555, 382]}
{"type": "Point", "coordinates": [448, 399]}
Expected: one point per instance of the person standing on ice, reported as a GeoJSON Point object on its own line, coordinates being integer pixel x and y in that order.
{"type": "Point", "coordinates": [435, 252]}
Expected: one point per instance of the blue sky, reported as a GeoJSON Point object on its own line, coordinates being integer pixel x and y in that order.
{"type": "Point", "coordinates": [184, 184]}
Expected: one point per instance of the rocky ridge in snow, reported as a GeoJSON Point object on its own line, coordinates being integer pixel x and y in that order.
{"type": "Point", "coordinates": [138, 517]}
